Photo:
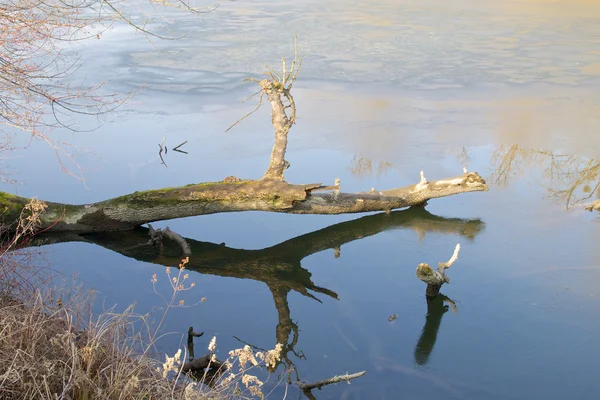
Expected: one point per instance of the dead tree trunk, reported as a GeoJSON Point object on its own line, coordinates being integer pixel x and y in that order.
{"type": "Point", "coordinates": [282, 124]}
{"type": "Point", "coordinates": [139, 208]}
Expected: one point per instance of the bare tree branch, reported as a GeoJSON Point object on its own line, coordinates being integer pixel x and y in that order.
{"type": "Point", "coordinates": [307, 387]}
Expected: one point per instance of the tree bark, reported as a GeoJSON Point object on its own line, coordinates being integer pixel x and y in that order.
{"type": "Point", "coordinates": [133, 210]}
{"type": "Point", "coordinates": [282, 124]}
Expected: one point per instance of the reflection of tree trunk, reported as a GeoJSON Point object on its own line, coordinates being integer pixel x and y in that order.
{"type": "Point", "coordinates": [435, 310]}
{"type": "Point", "coordinates": [285, 326]}
{"type": "Point", "coordinates": [279, 266]}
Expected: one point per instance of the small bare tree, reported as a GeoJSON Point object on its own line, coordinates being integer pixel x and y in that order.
{"type": "Point", "coordinates": [278, 89]}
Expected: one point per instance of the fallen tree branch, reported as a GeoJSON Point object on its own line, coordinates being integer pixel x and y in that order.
{"type": "Point", "coordinates": [307, 387]}
{"type": "Point", "coordinates": [176, 148]}
{"type": "Point", "coordinates": [177, 238]}
{"type": "Point", "coordinates": [160, 151]}
{"type": "Point", "coordinates": [139, 208]}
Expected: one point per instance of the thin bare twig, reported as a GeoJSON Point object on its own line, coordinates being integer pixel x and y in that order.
{"type": "Point", "coordinates": [445, 265]}
{"type": "Point", "coordinates": [176, 148]}
{"type": "Point", "coordinates": [250, 113]}
{"type": "Point", "coordinates": [160, 151]}
{"type": "Point", "coordinates": [306, 387]}
{"type": "Point", "coordinates": [278, 81]}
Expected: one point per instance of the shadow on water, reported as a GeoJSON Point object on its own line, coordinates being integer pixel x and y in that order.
{"type": "Point", "coordinates": [280, 266]}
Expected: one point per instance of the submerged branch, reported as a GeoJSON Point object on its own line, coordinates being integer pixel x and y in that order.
{"type": "Point", "coordinates": [307, 387]}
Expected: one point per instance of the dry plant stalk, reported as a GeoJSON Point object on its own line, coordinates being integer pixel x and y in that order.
{"type": "Point", "coordinates": [27, 224]}
{"type": "Point", "coordinates": [19, 273]}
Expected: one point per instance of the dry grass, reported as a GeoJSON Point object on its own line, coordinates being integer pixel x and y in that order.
{"type": "Point", "coordinates": [49, 352]}
{"type": "Point", "coordinates": [51, 348]}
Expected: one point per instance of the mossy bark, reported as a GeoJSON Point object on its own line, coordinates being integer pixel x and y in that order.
{"type": "Point", "coordinates": [133, 210]}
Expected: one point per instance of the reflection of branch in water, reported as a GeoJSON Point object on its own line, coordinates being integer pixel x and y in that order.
{"type": "Point", "coordinates": [279, 266]}
{"type": "Point", "coordinates": [190, 341]}
{"type": "Point", "coordinates": [464, 157]}
{"type": "Point", "coordinates": [437, 306]}
{"type": "Point", "coordinates": [569, 178]}
{"type": "Point", "coordinates": [363, 167]}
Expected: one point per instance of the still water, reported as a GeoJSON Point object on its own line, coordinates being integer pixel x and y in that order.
{"type": "Point", "coordinates": [510, 89]}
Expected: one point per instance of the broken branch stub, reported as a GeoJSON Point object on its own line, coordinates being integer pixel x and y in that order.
{"type": "Point", "coordinates": [435, 279]}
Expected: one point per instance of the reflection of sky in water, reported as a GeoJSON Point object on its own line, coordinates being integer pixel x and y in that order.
{"type": "Point", "coordinates": [503, 72]}
{"type": "Point", "coordinates": [409, 44]}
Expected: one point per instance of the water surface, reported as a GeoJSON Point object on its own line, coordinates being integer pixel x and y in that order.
{"type": "Point", "coordinates": [508, 89]}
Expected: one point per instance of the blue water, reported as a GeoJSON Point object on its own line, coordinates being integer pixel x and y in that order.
{"type": "Point", "coordinates": [406, 83]}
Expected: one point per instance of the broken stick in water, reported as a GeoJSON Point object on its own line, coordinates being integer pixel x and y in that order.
{"type": "Point", "coordinates": [435, 279]}
{"type": "Point", "coordinates": [176, 148]}
{"type": "Point", "coordinates": [307, 387]}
